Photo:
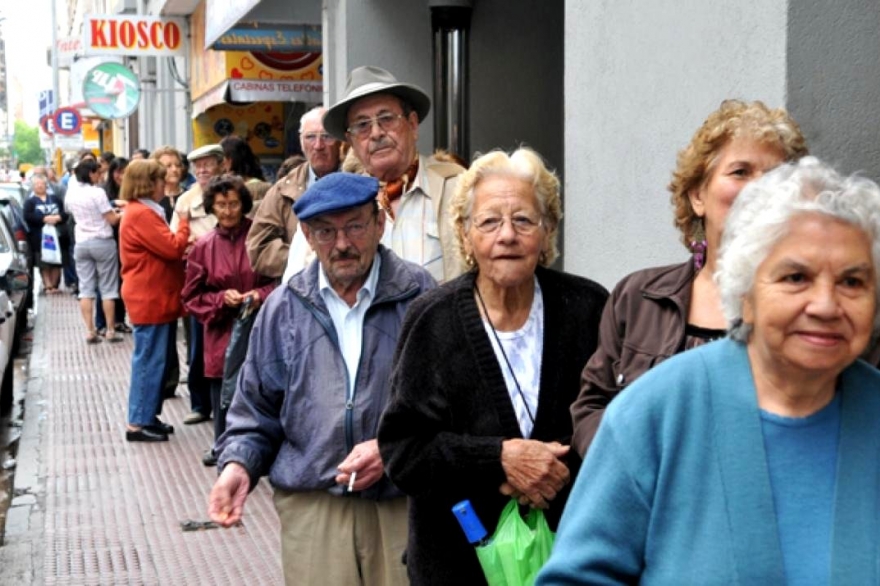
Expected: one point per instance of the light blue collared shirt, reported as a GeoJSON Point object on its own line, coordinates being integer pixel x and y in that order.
{"type": "Point", "coordinates": [349, 321]}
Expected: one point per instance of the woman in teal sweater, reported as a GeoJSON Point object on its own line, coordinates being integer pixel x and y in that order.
{"type": "Point", "coordinates": [756, 459]}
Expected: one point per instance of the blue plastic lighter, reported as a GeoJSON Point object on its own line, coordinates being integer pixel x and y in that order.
{"type": "Point", "coordinates": [470, 523]}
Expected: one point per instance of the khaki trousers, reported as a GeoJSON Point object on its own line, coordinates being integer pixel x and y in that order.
{"type": "Point", "coordinates": [333, 540]}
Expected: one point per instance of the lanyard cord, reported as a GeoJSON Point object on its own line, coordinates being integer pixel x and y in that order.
{"type": "Point", "coordinates": [504, 354]}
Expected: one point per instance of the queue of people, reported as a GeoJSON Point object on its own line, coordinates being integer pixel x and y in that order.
{"type": "Point", "coordinates": [702, 424]}
{"type": "Point", "coordinates": [752, 460]}
{"type": "Point", "coordinates": [711, 421]}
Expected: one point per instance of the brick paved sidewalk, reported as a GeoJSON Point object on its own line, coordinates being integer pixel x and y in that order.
{"type": "Point", "coordinates": [106, 511]}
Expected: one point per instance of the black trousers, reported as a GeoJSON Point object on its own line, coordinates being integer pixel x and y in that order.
{"type": "Point", "coordinates": [216, 385]}
{"type": "Point", "coordinates": [199, 389]}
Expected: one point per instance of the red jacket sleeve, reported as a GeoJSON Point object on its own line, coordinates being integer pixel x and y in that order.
{"type": "Point", "coordinates": [199, 300]}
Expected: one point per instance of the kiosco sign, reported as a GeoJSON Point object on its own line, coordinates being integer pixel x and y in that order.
{"type": "Point", "coordinates": [132, 35]}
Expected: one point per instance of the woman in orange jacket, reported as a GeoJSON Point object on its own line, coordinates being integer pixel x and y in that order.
{"type": "Point", "coordinates": [152, 273]}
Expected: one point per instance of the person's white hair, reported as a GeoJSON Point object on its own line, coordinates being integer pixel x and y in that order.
{"type": "Point", "coordinates": [762, 213]}
{"type": "Point", "coordinates": [316, 113]}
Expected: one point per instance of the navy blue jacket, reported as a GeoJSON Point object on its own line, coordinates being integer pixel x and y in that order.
{"type": "Point", "coordinates": [289, 418]}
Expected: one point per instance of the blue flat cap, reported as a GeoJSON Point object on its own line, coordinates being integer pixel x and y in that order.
{"type": "Point", "coordinates": [335, 192]}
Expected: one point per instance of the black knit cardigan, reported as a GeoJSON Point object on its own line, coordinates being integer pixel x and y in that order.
{"type": "Point", "coordinates": [441, 434]}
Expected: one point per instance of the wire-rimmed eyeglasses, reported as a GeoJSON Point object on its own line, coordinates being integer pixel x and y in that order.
{"type": "Point", "coordinates": [490, 222]}
{"type": "Point", "coordinates": [387, 122]}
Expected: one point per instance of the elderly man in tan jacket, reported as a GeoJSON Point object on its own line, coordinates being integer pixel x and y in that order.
{"type": "Point", "coordinates": [269, 238]}
{"type": "Point", "coordinates": [379, 117]}
{"type": "Point", "coordinates": [207, 163]}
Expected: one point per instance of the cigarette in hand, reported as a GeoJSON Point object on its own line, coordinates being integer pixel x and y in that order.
{"type": "Point", "coordinates": [351, 480]}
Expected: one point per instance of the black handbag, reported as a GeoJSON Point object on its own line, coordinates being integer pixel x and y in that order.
{"type": "Point", "coordinates": [236, 351]}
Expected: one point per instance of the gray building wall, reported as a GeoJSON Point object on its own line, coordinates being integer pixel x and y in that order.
{"type": "Point", "coordinates": [640, 78]}
{"type": "Point", "coordinates": [834, 81]}
{"type": "Point", "coordinates": [163, 114]}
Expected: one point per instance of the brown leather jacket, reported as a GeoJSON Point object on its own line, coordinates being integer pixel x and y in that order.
{"type": "Point", "coordinates": [268, 241]}
{"type": "Point", "coordinates": [642, 324]}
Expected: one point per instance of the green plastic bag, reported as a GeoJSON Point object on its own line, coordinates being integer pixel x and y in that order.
{"type": "Point", "coordinates": [518, 548]}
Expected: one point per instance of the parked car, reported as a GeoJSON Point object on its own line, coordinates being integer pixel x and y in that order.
{"type": "Point", "coordinates": [14, 287]}
{"type": "Point", "coordinates": [7, 342]}
{"type": "Point", "coordinates": [17, 190]}
{"type": "Point", "coordinates": [12, 196]}
{"type": "Point", "coordinates": [15, 279]}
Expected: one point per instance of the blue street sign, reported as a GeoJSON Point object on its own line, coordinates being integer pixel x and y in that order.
{"type": "Point", "coordinates": [67, 121]}
{"type": "Point", "coordinates": [47, 103]}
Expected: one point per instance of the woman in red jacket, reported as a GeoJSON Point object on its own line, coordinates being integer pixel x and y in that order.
{"type": "Point", "coordinates": [219, 278]}
{"type": "Point", "coordinates": [152, 273]}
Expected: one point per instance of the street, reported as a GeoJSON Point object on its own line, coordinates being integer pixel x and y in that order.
{"type": "Point", "coordinates": [90, 508]}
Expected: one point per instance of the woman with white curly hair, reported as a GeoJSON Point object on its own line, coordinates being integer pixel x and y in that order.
{"type": "Point", "coordinates": [486, 367]}
{"type": "Point", "coordinates": [754, 459]}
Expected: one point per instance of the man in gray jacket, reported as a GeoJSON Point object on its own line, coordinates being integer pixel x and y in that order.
{"type": "Point", "coordinates": [311, 392]}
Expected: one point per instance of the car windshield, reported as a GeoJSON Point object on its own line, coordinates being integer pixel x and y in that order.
{"type": "Point", "coordinates": [12, 190]}
{"type": "Point", "coordinates": [5, 236]}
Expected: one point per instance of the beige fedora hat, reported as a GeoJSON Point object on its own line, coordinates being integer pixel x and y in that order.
{"type": "Point", "coordinates": [367, 81]}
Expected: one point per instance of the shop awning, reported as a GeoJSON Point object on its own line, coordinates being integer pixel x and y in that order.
{"type": "Point", "coordinates": [214, 96]}
{"type": "Point", "coordinates": [260, 90]}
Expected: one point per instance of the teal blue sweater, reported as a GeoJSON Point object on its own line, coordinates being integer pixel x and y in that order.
{"type": "Point", "coordinates": [675, 488]}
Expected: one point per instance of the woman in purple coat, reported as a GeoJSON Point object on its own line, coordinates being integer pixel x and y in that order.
{"type": "Point", "coordinates": [219, 279]}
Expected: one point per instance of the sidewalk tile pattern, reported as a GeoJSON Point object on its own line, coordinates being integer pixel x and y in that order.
{"type": "Point", "coordinates": [113, 509]}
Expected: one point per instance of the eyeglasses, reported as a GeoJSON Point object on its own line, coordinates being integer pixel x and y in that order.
{"type": "Point", "coordinates": [327, 234]}
{"type": "Point", "coordinates": [313, 137]}
{"type": "Point", "coordinates": [232, 206]}
{"type": "Point", "coordinates": [489, 223]}
{"type": "Point", "coordinates": [387, 122]}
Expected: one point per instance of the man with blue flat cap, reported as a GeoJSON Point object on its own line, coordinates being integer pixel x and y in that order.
{"type": "Point", "coordinates": [312, 389]}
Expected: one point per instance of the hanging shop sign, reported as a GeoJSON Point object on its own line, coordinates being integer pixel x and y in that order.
{"type": "Point", "coordinates": [111, 90]}
{"type": "Point", "coordinates": [270, 77]}
{"type": "Point", "coordinates": [133, 35]}
{"type": "Point", "coordinates": [270, 37]}
{"type": "Point", "coordinates": [253, 90]}
{"type": "Point", "coordinates": [67, 50]}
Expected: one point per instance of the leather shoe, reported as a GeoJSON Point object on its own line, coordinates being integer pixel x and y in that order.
{"type": "Point", "coordinates": [160, 426]}
{"type": "Point", "coordinates": [209, 458]}
{"type": "Point", "coordinates": [145, 434]}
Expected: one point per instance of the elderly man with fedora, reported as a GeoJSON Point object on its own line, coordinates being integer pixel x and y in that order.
{"type": "Point", "coordinates": [379, 117]}
{"type": "Point", "coordinates": [268, 240]}
{"type": "Point", "coordinates": [312, 389]}
{"type": "Point", "coordinates": [207, 163]}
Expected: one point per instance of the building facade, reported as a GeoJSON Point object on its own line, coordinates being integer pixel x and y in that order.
{"type": "Point", "coordinates": [606, 92]}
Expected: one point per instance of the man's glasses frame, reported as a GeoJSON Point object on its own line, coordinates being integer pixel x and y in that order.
{"type": "Point", "coordinates": [387, 121]}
